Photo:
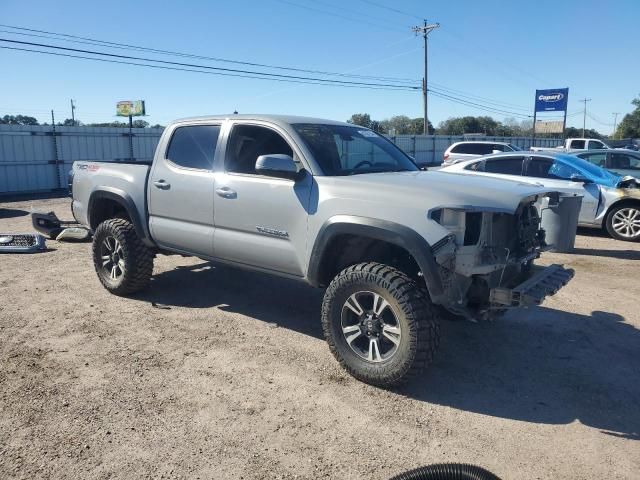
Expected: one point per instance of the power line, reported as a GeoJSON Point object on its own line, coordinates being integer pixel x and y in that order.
{"type": "Point", "coordinates": [125, 46]}
{"type": "Point", "coordinates": [344, 17]}
{"type": "Point", "coordinates": [218, 69]}
{"type": "Point", "coordinates": [597, 120]}
{"type": "Point", "coordinates": [470, 96]}
{"type": "Point", "coordinates": [162, 67]}
{"type": "Point", "coordinates": [391, 9]}
{"type": "Point", "coordinates": [476, 105]}
{"type": "Point", "coordinates": [352, 10]}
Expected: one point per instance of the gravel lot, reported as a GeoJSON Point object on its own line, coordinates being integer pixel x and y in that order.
{"type": "Point", "coordinates": [218, 373]}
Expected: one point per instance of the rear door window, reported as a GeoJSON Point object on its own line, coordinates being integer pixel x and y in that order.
{"type": "Point", "coordinates": [599, 159]}
{"type": "Point", "coordinates": [473, 148]}
{"type": "Point", "coordinates": [577, 144]}
{"type": "Point", "coordinates": [194, 146]}
{"type": "Point", "coordinates": [504, 165]}
{"type": "Point", "coordinates": [541, 167]}
{"type": "Point", "coordinates": [624, 161]}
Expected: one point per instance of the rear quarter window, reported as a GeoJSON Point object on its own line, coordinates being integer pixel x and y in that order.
{"type": "Point", "coordinates": [505, 165]}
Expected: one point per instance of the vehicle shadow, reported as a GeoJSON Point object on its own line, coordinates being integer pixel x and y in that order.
{"type": "Point", "coordinates": [592, 232]}
{"type": "Point", "coordinates": [542, 366]}
{"type": "Point", "coordinates": [598, 252]}
{"type": "Point", "coordinates": [538, 365]}
{"type": "Point", "coordinates": [267, 298]}
{"type": "Point", "coordinates": [12, 212]}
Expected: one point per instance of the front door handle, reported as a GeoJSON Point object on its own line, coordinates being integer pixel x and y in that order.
{"type": "Point", "coordinates": [162, 185]}
{"type": "Point", "coordinates": [226, 192]}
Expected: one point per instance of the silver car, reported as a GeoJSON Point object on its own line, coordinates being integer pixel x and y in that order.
{"type": "Point", "coordinates": [461, 151]}
{"type": "Point", "coordinates": [609, 201]}
{"type": "Point", "coordinates": [621, 161]}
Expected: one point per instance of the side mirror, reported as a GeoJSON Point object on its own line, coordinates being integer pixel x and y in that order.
{"type": "Point", "coordinates": [577, 177]}
{"type": "Point", "coordinates": [277, 165]}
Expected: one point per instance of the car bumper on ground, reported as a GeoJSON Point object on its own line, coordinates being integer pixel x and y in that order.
{"type": "Point", "coordinates": [544, 282]}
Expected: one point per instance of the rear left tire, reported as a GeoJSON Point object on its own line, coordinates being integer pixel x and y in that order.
{"type": "Point", "coordinates": [123, 263]}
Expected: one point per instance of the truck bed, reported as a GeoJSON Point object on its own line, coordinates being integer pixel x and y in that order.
{"type": "Point", "coordinates": [127, 179]}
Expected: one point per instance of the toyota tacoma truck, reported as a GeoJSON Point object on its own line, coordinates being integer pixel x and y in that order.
{"type": "Point", "coordinates": [331, 204]}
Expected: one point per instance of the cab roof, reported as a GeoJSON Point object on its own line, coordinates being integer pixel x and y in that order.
{"type": "Point", "coordinates": [277, 119]}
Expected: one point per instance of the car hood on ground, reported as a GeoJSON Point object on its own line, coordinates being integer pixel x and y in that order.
{"type": "Point", "coordinates": [435, 189]}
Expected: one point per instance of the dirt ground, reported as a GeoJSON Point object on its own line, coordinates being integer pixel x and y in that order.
{"type": "Point", "coordinates": [218, 373]}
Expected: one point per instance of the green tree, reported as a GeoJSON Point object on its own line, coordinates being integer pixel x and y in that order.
{"type": "Point", "coordinates": [71, 123]}
{"type": "Point", "coordinates": [140, 124]}
{"type": "Point", "coordinates": [630, 125]}
{"type": "Point", "coordinates": [573, 132]}
{"type": "Point", "coordinates": [18, 120]}
{"type": "Point", "coordinates": [361, 119]}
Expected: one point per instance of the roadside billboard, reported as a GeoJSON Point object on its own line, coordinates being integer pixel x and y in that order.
{"type": "Point", "coordinates": [130, 108]}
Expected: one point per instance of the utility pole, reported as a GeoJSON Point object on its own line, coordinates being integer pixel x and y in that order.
{"type": "Point", "coordinates": [615, 122]}
{"type": "Point", "coordinates": [73, 115]}
{"type": "Point", "coordinates": [584, 114]}
{"type": "Point", "coordinates": [425, 29]}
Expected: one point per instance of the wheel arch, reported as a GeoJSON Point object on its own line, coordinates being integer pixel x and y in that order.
{"type": "Point", "coordinates": [323, 254]}
{"type": "Point", "coordinates": [108, 202]}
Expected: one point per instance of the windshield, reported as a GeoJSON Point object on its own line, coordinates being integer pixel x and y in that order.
{"type": "Point", "coordinates": [345, 150]}
{"type": "Point", "coordinates": [515, 148]}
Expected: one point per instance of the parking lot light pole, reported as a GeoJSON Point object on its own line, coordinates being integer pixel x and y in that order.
{"type": "Point", "coordinates": [425, 29]}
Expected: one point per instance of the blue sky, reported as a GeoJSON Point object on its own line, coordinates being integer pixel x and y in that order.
{"type": "Point", "coordinates": [498, 50]}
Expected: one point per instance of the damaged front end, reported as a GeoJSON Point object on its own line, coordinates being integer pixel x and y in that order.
{"type": "Point", "coordinates": [486, 263]}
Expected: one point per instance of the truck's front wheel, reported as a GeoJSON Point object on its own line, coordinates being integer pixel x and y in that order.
{"type": "Point", "coordinates": [123, 263]}
{"type": "Point", "coordinates": [380, 325]}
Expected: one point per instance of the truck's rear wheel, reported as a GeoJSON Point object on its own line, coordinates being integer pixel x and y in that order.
{"type": "Point", "coordinates": [379, 324]}
{"type": "Point", "coordinates": [123, 263]}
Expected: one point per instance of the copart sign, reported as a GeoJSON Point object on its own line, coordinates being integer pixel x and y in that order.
{"type": "Point", "coordinates": [552, 100]}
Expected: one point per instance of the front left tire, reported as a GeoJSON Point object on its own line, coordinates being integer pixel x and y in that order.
{"type": "Point", "coordinates": [380, 324]}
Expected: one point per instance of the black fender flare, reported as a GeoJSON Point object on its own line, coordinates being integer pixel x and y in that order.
{"type": "Point", "coordinates": [123, 199]}
{"type": "Point", "coordinates": [391, 232]}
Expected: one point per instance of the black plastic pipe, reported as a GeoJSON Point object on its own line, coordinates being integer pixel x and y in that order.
{"type": "Point", "coordinates": [447, 471]}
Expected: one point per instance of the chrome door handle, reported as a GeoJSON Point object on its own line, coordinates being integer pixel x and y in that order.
{"type": "Point", "coordinates": [162, 185]}
{"type": "Point", "coordinates": [226, 192]}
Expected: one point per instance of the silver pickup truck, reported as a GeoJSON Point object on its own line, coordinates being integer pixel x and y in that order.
{"type": "Point", "coordinates": [331, 204]}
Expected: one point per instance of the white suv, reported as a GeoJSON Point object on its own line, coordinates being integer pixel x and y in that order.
{"type": "Point", "coordinates": [461, 151]}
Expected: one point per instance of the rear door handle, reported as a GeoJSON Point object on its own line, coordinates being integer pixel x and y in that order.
{"type": "Point", "coordinates": [162, 185]}
{"type": "Point", "coordinates": [226, 192]}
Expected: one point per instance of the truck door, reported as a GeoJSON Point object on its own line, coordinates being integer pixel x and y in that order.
{"type": "Point", "coordinates": [181, 187]}
{"type": "Point", "coordinates": [557, 176]}
{"type": "Point", "coordinates": [260, 220]}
